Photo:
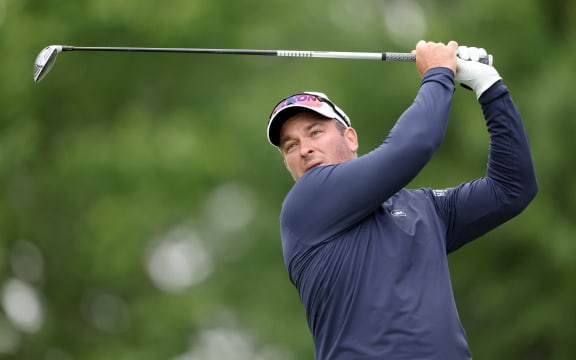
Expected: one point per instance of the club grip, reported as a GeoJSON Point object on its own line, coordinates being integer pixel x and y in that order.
{"type": "Point", "coordinates": [395, 56]}
{"type": "Point", "coordinates": [409, 57]}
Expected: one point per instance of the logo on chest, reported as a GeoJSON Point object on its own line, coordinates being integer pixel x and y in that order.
{"type": "Point", "coordinates": [397, 212]}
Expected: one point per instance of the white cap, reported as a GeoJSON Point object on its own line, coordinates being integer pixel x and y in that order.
{"type": "Point", "coordinates": [313, 101]}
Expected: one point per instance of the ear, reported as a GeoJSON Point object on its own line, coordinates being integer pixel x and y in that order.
{"type": "Point", "coordinates": [351, 139]}
{"type": "Point", "coordinates": [287, 168]}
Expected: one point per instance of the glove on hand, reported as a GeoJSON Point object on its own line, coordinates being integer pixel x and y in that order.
{"type": "Point", "coordinates": [472, 74]}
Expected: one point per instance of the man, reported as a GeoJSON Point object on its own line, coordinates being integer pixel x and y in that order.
{"type": "Point", "coordinates": [369, 257]}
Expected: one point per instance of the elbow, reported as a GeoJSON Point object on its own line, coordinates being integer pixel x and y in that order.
{"type": "Point", "coordinates": [426, 145]}
{"type": "Point", "coordinates": [415, 147]}
{"type": "Point", "coordinates": [530, 188]}
{"type": "Point", "coordinates": [523, 196]}
{"type": "Point", "coordinates": [533, 188]}
{"type": "Point", "coordinates": [420, 153]}
{"type": "Point", "coordinates": [514, 186]}
{"type": "Point", "coordinates": [430, 146]}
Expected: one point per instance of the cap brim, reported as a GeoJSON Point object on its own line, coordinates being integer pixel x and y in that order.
{"type": "Point", "coordinates": [276, 122]}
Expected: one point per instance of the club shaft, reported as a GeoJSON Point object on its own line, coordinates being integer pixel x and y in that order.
{"type": "Point", "coordinates": [385, 56]}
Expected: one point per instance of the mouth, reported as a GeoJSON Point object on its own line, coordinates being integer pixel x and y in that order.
{"type": "Point", "coordinates": [313, 165]}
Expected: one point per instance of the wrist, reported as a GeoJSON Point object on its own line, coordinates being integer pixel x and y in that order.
{"type": "Point", "coordinates": [439, 75]}
{"type": "Point", "coordinates": [485, 83]}
{"type": "Point", "coordinates": [495, 91]}
{"type": "Point", "coordinates": [445, 70]}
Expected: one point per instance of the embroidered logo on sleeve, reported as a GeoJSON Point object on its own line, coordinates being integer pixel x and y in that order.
{"type": "Point", "coordinates": [439, 192]}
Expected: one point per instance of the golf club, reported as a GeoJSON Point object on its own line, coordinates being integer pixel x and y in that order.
{"type": "Point", "coordinates": [46, 58]}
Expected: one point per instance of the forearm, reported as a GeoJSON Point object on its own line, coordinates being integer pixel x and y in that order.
{"type": "Point", "coordinates": [423, 125]}
{"type": "Point", "coordinates": [418, 132]}
{"type": "Point", "coordinates": [510, 162]}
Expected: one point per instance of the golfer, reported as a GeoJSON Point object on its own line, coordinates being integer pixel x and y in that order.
{"type": "Point", "coordinates": [368, 256]}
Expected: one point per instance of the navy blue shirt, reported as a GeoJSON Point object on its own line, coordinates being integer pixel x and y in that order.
{"type": "Point", "coordinates": [369, 257]}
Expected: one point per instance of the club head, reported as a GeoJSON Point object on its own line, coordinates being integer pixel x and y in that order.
{"type": "Point", "coordinates": [45, 60]}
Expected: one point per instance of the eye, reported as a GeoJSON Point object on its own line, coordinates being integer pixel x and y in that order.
{"type": "Point", "coordinates": [315, 133]}
{"type": "Point", "coordinates": [289, 146]}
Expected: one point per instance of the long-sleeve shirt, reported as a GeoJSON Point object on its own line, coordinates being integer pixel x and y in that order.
{"type": "Point", "coordinates": [369, 257]}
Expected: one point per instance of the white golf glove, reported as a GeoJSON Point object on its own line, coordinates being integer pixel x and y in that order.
{"type": "Point", "coordinates": [473, 74]}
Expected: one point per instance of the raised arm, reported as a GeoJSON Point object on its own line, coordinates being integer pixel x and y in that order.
{"type": "Point", "coordinates": [474, 208]}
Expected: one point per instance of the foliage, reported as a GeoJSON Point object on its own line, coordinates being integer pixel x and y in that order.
{"type": "Point", "coordinates": [139, 197]}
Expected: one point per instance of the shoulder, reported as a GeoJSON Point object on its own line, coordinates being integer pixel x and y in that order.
{"type": "Point", "coordinates": [316, 185]}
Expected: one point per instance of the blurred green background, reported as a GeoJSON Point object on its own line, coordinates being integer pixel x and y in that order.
{"type": "Point", "coordinates": [139, 197]}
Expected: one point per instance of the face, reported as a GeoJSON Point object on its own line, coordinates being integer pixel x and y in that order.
{"type": "Point", "coordinates": [308, 140]}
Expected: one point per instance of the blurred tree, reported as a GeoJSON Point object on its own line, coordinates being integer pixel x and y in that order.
{"type": "Point", "coordinates": [139, 197]}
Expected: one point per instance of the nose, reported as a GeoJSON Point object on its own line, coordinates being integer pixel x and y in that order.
{"type": "Point", "coordinates": [305, 148]}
